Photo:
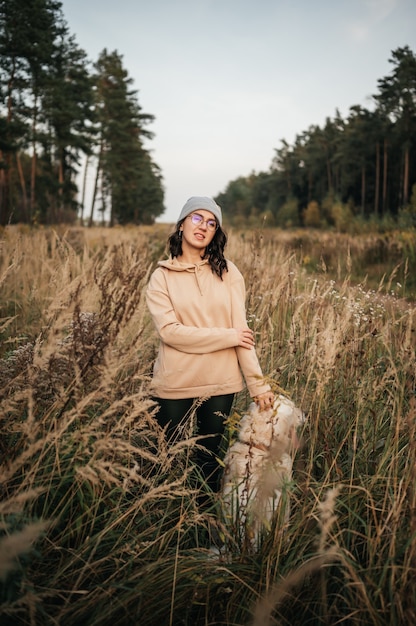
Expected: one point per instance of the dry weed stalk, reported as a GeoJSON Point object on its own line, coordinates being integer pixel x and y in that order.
{"type": "Point", "coordinates": [17, 544]}
{"type": "Point", "coordinates": [327, 554]}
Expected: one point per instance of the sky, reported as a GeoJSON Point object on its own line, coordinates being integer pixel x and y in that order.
{"type": "Point", "coordinates": [228, 80]}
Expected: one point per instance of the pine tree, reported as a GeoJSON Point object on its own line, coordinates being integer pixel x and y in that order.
{"type": "Point", "coordinates": [28, 29]}
{"type": "Point", "coordinates": [397, 98]}
{"type": "Point", "coordinates": [69, 114]}
{"type": "Point", "coordinates": [131, 181]}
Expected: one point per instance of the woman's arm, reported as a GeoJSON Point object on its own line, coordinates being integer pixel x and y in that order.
{"type": "Point", "coordinates": [190, 339]}
{"type": "Point", "coordinates": [259, 390]}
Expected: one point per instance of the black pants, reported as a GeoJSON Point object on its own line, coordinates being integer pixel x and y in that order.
{"type": "Point", "coordinates": [209, 416]}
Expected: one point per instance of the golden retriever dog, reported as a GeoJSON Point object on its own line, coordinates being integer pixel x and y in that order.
{"type": "Point", "coordinates": [257, 465]}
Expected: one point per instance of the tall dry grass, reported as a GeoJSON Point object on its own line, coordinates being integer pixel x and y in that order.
{"type": "Point", "coordinates": [100, 521]}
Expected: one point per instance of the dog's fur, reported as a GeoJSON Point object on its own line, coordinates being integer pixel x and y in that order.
{"type": "Point", "coordinates": [257, 465]}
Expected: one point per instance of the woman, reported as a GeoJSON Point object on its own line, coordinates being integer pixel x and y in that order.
{"type": "Point", "coordinates": [197, 302]}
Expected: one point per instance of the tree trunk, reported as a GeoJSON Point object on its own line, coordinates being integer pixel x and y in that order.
{"type": "Point", "coordinates": [406, 177]}
{"type": "Point", "coordinates": [310, 184]}
{"type": "Point", "coordinates": [362, 190]}
{"type": "Point", "coordinates": [84, 186]}
{"type": "Point", "coordinates": [328, 172]}
{"type": "Point", "coordinates": [289, 183]}
{"type": "Point", "coordinates": [5, 180]}
{"type": "Point", "coordinates": [32, 204]}
{"type": "Point", "coordinates": [22, 186]}
{"type": "Point", "coordinates": [97, 175]}
{"type": "Point", "coordinates": [4, 193]}
{"type": "Point", "coordinates": [107, 199]}
{"type": "Point", "coordinates": [385, 169]}
{"type": "Point", "coordinates": [61, 175]}
{"type": "Point", "coordinates": [337, 181]}
{"type": "Point", "coordinates": [94, 195]}
{"type": "Point", "coordinates": [377, 183]}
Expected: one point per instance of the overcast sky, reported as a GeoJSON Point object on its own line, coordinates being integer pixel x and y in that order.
{"type": "Point", "coordinates": [227, 80]}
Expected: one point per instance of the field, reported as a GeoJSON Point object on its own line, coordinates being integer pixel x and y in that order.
{"type": "Point", "coordinates": [99, 518]}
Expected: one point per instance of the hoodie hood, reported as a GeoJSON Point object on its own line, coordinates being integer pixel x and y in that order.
{"type": "Point", "coordinates": [177, 266]}
{"type": "Point", "coordinates": [194, 268]}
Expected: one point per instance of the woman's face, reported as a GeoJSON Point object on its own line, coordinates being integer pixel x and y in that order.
{"type": "Point", "coordinates": [198, 229]}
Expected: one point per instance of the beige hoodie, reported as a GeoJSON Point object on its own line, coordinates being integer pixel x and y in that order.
{"type": "Point", "coordinates": [196, 314]}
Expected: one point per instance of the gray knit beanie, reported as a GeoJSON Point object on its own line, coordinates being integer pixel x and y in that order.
{"type": "Point", "coordinates": [201, 202]}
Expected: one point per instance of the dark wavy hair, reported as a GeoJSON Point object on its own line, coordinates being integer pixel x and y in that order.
{"type": "Point", "coordinates": [214, 252]}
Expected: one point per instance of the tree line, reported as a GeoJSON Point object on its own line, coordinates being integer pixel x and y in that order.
{"type": "Point", "coordinates": [363, 166]}
{"type": "Point", "coordinates": [60, 113]}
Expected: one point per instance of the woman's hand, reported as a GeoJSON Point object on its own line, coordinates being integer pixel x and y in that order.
{"type": "Point", "coordinates": [265, 400]}
{"type": "Point", "coordinates": [245, 338]}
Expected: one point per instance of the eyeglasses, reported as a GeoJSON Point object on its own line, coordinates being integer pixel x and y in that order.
{"type": "Point", "coordinates": [198, 220]}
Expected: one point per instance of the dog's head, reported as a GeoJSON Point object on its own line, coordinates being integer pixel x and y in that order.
{"type": "Point", "coordinates": [266, 428]}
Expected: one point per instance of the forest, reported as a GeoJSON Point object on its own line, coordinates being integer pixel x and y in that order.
{"type": "Point", "coordinates": [61, 114]}
{"type": "Point", "coordinates": [59, 111]}
{"type": "Point", "coordinates": [351, 171]}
